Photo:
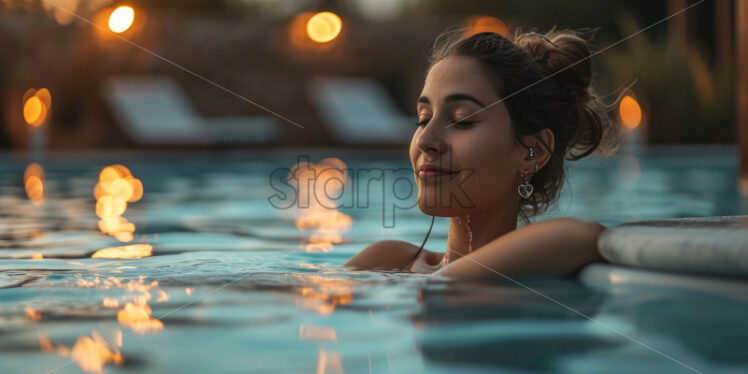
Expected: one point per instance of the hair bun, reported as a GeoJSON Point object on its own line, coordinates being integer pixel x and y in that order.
{"type": "Point", "coordinates": [565, 55]}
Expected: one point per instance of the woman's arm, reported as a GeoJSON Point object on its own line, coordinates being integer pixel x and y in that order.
{"type": "Point", "coordinates": [557, 247]}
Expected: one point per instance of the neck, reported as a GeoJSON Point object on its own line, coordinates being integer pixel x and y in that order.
{"type": "Point", "coordinates": [470, 232]}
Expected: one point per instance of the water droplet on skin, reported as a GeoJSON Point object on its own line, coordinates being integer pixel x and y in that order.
{"type": "Point", "coordinates": [470, 235]}
{"type": "Point", "coordinates": [459, 221]}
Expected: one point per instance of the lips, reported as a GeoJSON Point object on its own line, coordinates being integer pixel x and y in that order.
{"type": "Point", "coordinates": [431, 171]}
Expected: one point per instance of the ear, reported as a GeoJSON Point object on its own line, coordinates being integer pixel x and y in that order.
{"type": "Point", "coordinates": [542, 153]}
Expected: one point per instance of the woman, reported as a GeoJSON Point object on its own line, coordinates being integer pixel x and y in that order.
{"type": "Point", "coordinates": [496, 120]}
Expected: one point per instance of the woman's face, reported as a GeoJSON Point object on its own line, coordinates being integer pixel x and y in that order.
{"type": "Point", "coordinates": [470, 166]}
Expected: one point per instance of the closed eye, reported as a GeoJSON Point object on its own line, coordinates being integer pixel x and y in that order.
{"type": "Point", "coordinates": [458, 123]}
{"type": "Point", "coordinates": [461, 123]}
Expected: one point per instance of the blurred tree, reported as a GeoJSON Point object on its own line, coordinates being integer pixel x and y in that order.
{"type": "Point", "coordinates": [684, 98]}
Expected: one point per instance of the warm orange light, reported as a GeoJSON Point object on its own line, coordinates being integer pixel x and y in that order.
{"type": "Point", "coordinates": [136, 186]}
{"type": "Point", "coordinates": [324, 294]}
{"type": "Point", "coordinates": [110, 205]}
{"type": "Point", "coordinates": [138, 318]}
{"type": "Point", "coordinates": [37, 256]}
{"type": "Point", "coordinates": [112, 174]}
{"type": "Point", "coordinates": [116, 225]}
{"type": "Point", "coordinates": [162, 296]}
{"type": "Point", "coordinates": [45, 344]}
{"type": "Point", "coordinates": [92, 353]}
{"type": "Point", "coordinates": [35, 190]}
{"type": "Point", "coordinates": [297, 31]}
{"type": "Point", "coordinates": [33, 314]}
{"type": "Point", "coordinates": [631, 112]}
{"type": "Point", "coordinates": [36, 104]}
{"type": "Point", "coordinates": [479, 24]}
{"type": "Point", "coordinates": [324, 27]}
{"type": "Point", "coordinates": [121, 19]}
{"type": "Point", "coordinates": [33, 180]}
{"type": "Point", "coordinates": [116, 188]}
{"type": "Point", "coordinates": [127, 251]}
{"type": "Point", "coordinates": [32, 110]}
{"type": "Point", "coordinates": [317, 185]}
{"type": "Point", "coordinates": [45, 97]}
{"type": "Point", "coordinates": [110, 303]}
{"type": "Point", "coordinates": [33, 170]}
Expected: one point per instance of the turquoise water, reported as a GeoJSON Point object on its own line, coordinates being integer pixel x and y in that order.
{"type": "Point", "coordinates": [243, 294]}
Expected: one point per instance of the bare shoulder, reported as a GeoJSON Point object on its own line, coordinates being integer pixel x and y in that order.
{"type": "Point", "coordinates": [386, 254]}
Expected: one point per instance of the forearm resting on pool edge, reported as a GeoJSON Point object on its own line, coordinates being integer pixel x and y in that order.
{"type": "Point", "coordinates": [557, 247]}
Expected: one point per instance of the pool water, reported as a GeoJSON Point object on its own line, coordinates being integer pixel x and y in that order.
{"type": "Point", "coordinates": [234, 286]}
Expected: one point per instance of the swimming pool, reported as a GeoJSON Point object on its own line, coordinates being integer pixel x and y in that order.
{"type": "Point", "coordinates": [239, 288]}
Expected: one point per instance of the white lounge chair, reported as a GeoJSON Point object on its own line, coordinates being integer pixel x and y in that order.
{"type": "Point", "coordinates": [155, 110]}
{"type": "Point", "coordinates": [359, 111]}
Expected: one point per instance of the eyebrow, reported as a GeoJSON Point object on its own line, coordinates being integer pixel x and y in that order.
{"type": "Point", "coordinates": [453, 97]}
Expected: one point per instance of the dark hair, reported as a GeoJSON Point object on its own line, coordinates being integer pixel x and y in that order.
{"type": "Point", "coordinates": [544, 82]}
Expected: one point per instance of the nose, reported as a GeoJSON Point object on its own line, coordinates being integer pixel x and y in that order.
{"type": "Point", "coordinates": [431, 139]}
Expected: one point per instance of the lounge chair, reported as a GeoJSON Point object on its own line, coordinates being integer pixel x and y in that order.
{"type": "Point", "coordinates": [155, 110]}
{"type": "Point", "coordinates": [359, 111]}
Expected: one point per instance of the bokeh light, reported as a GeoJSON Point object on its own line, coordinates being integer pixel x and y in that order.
{"type": "Point", "coordinates": [121, 19]}
{"type": "Point", "coordinates": [630, 112]}
{"type": "Point", "coordinates": [36, 104]}
{"type": "Point", "coordinates": [324, 27]}
{"type": "Point", "coordinates": [32, 109]}
{"type": "Point", "coordinates": [137, 316]}
{"type": "Point", "coordinates": [126, 251]}
{"type": "Point", "coordinates": [318, 185]}
{"type": "Point", "coordinates": [33, 181]}
{"type": "Point", "coordinates": [116, 188]}
{"type": "Point", "coordinates": [478, 24]}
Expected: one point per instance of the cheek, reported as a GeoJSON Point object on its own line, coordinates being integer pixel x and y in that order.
{"type": "Point", "coordinates": [489, 156]}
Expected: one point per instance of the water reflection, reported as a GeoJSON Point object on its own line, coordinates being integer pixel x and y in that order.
{"type": "Point", "coordinates": [322, 294]}
{"type": "Point", "coordinates": [280, 309]}
{"type": "Point", "coordinates": [671, 329]}
{"type": "Point", "coordinates": [318, 187]}
{"type": "Point", "coordinates": [92, 353]}
{"type": "Point", "coordinates": [495, 325]}
{"type": "Point", "coordinates": [33, 181]}
{"type": "Point", "coordinates": [89, 353]}
{"type": "Point", "coordinates": [116, 188]}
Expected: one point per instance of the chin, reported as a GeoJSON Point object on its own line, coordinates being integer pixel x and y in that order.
{"type": "Point", "coordinates": [439, 212]}
{"type": "Point", "coordinates": [431, 204]}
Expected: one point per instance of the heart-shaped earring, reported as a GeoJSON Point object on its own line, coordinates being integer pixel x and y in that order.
{"type": "Point", "coordinates": [525, 190]}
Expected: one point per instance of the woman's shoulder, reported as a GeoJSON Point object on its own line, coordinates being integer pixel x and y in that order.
{"type": "Point", "coordinates": [387, 254]}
